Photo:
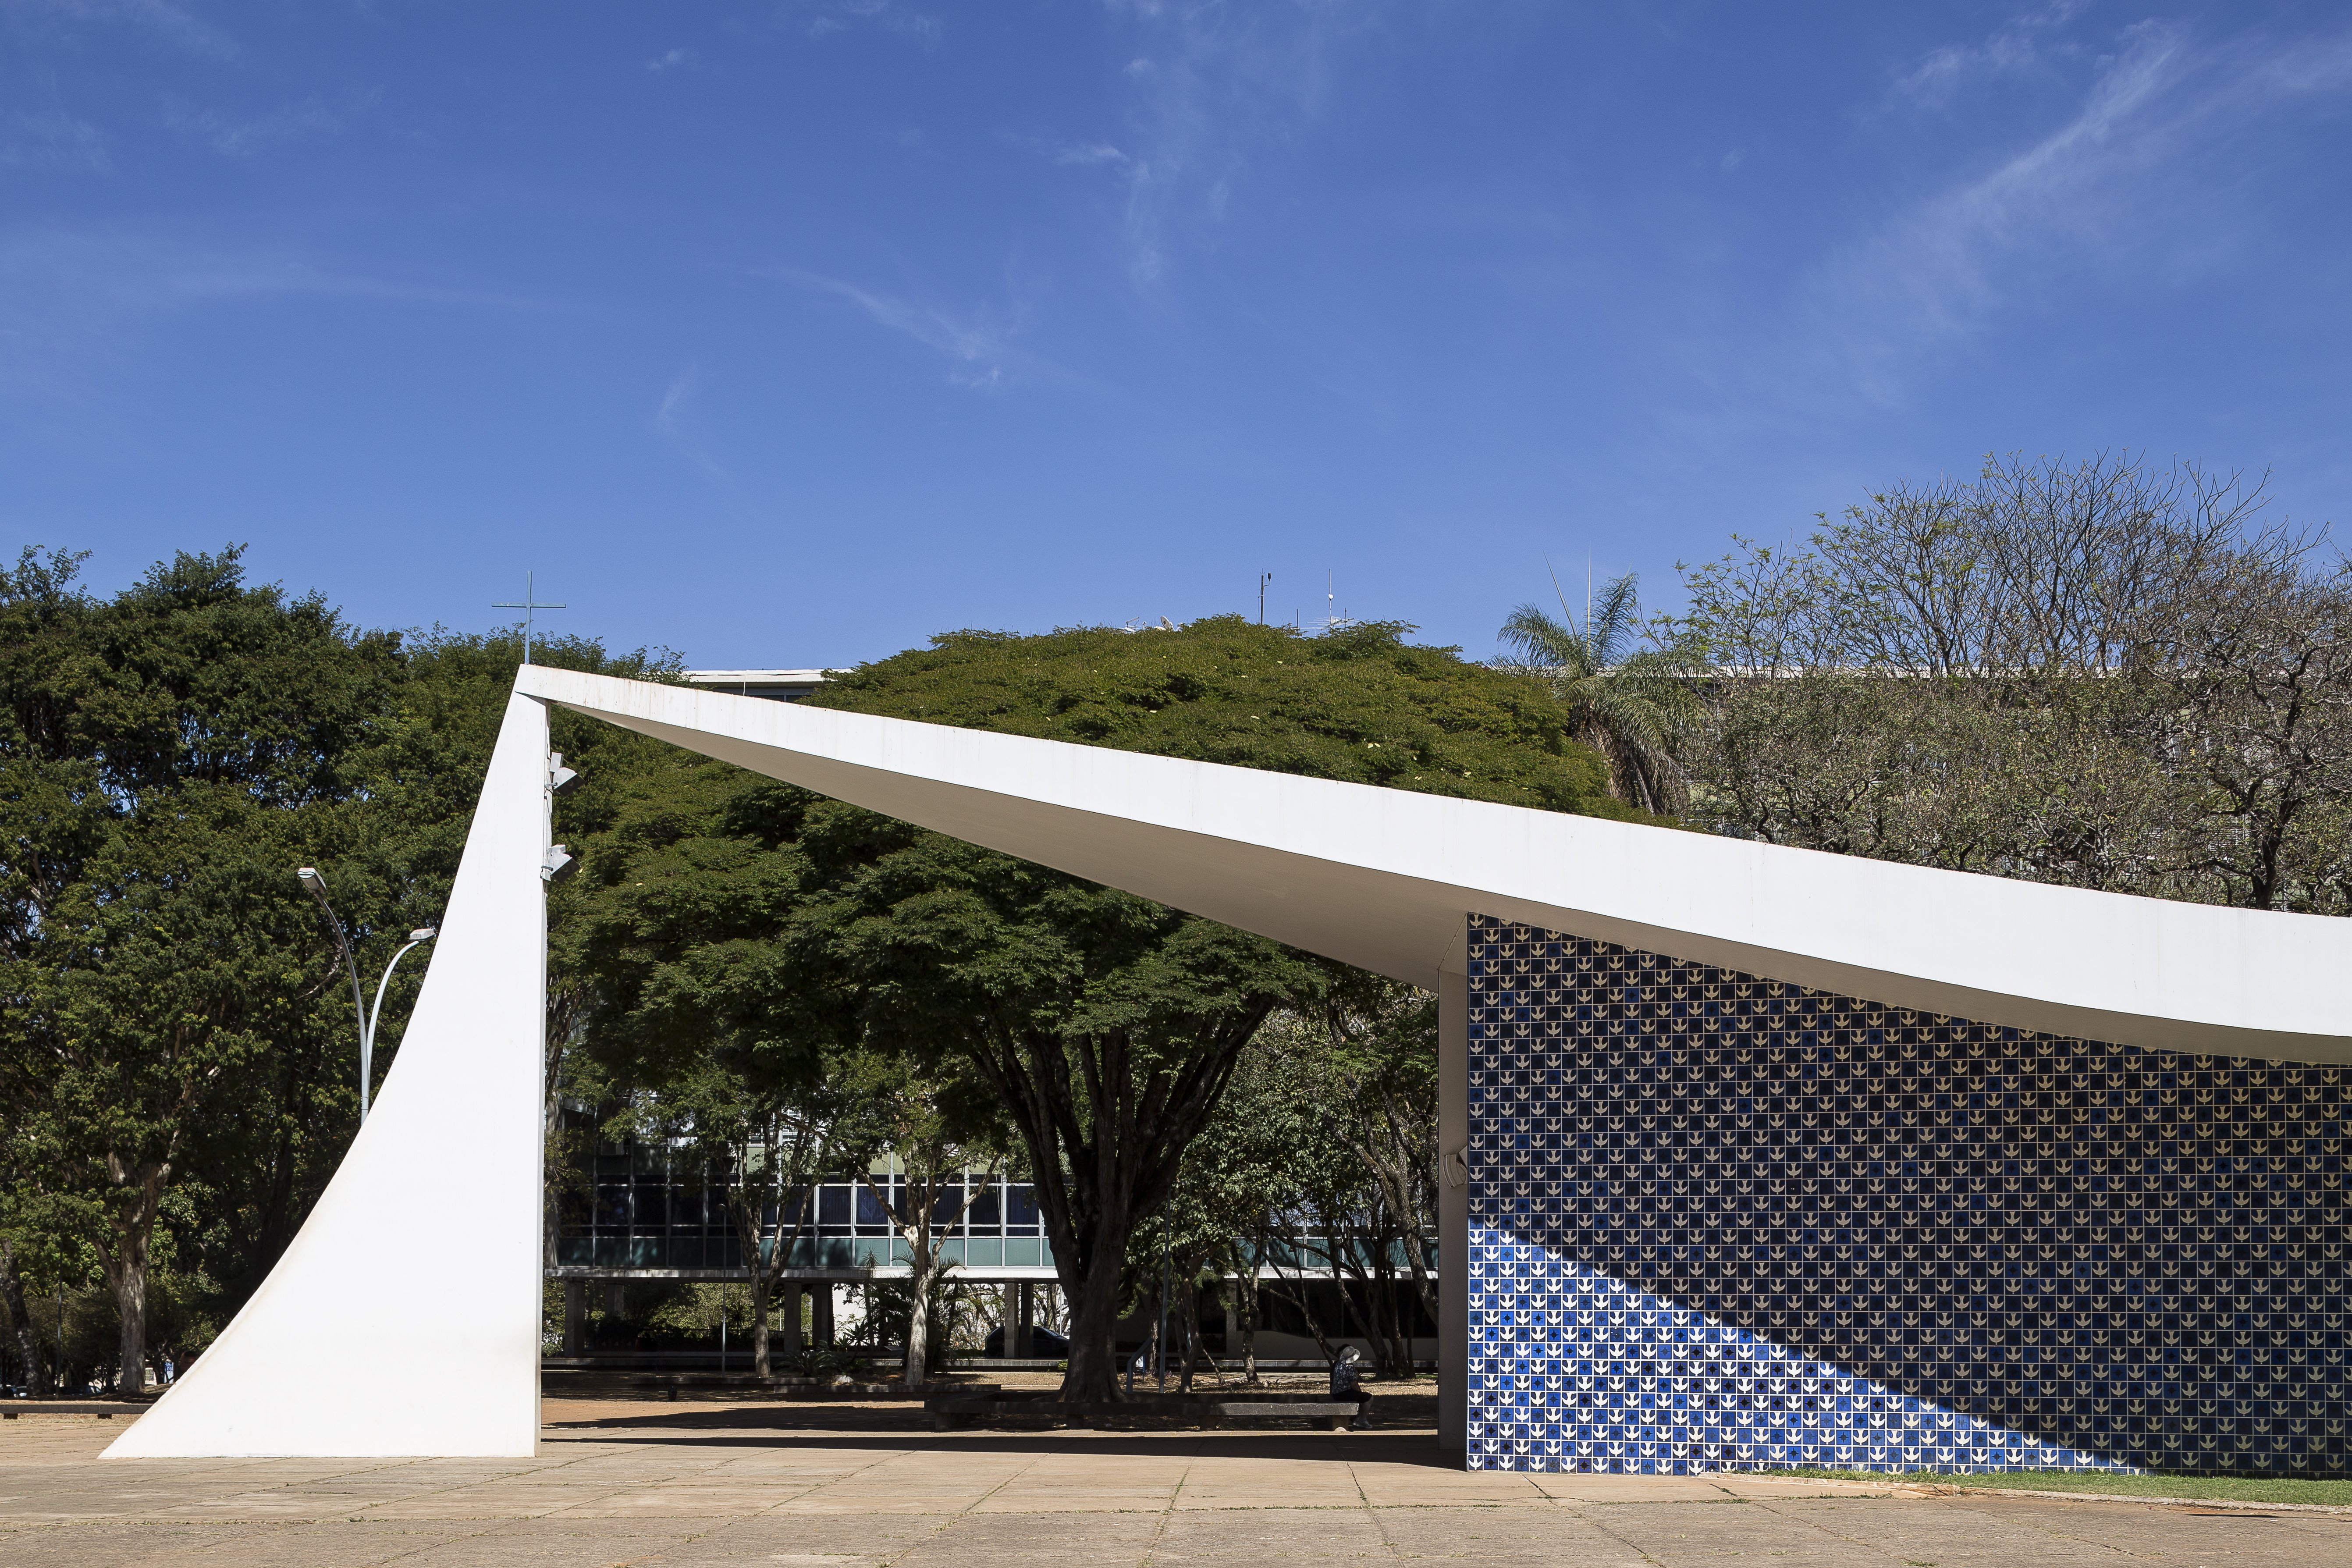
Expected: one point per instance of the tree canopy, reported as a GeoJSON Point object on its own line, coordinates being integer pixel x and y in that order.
{"type": "Point", "coordinates": [1359, 704]}
{"type": "Point", "coordinates": [1107, 1026]}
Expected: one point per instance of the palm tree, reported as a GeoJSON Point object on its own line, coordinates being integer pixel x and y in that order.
{"type": "Point", "coordinates": [1631, 705]}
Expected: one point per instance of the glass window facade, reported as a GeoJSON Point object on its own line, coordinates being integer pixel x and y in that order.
{"type": "Point", "coordinates": [650, 1207]}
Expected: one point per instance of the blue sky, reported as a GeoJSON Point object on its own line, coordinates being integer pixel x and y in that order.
{"type": "Point", "coordinates": [792, 333]}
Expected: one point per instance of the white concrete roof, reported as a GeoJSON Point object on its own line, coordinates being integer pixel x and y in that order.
{"type": "Point", "coordinates": [1383, 878]}
{"type": "Point", "coordinates": [752, 676]}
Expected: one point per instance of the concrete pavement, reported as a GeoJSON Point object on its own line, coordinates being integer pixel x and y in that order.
{"type": "Point", "coordinates": [738, 1483]}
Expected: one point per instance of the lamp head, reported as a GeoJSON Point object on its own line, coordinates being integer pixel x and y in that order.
{"type": "Point", "coordinates": [311, 879]}
{"type": "Point", "coordinates": [425, 934]}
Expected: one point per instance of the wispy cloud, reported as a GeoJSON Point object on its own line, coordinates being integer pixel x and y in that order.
{"type": "Point", "coordinates": [821, 18]}
{"type": "Point", "coordinates": [672, 61]}
{"type": "Point", "coordinates": [1208, 86]}
{"type": "Point", "coordinates": [171, 25]}
{"type": "Point", "coordinates": [2022, 45]}
{"type": "Point", "coordinates": [2139, 169]}
{"type": "Point", "coordinates": [244, 138]}
{"type": "Point", "coordinates": [74, 303]}
{"type": "Point", "coordinates": [671, 422]}
{"type": "Point", "coordinates": [1072, 154]}
{"type": "Point", "coordinates": [979, 346]}
{"type": "Point", "coordinates": [52, 139]}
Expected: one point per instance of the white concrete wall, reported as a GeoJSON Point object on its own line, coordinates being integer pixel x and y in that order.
{"type": "Point", "coordinates": [343, 1352]}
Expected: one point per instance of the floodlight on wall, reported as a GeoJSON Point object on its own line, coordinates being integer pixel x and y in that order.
{"type": "Point", "coordinates": [558, 863]}
{"type": "Point", "coordinates": [558, 775]}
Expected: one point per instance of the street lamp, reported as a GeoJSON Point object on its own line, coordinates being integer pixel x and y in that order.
{"type": "Point", "coordinates": [318, 886]}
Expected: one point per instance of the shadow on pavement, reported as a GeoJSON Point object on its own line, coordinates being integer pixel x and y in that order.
{"type": "Point", "coordinates": [783, 1429]}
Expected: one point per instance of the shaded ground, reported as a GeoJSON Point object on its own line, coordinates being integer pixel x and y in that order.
{"type": "Point", "coordinates": [741, 1482]}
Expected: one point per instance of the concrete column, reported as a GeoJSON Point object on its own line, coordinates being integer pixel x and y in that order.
{"type": "Point", "coordinates": [1452, 1208]}
{"type": "Point", "coordinates": [576, 1315]}
{"type": "Point", "coordinates": [1024, 1343]}
{"type": "Point", "coordinates": [788, 1307]}
{"type": "Point", "coordinates": [821, 1325]}
{"type": "Point", "coordinates": [616, 1302]}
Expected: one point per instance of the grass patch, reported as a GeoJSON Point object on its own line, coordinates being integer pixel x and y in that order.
{"type": "Point", "coordinates": [2232, 1488]}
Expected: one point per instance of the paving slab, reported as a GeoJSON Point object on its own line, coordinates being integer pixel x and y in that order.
{"type": "Point", "coordinates": [696, 1489]}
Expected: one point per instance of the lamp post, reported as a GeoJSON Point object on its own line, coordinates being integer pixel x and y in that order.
{"type": "Point", "coordinates": [318, 886]}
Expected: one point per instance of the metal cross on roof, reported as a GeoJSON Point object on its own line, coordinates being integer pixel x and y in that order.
{"type": "Point", "coordinates": [529, 607]}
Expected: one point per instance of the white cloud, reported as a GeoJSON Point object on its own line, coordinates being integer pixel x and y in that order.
{"type": "Point", "coordinates": [2139, 170]}
{"type": "Point", "coordinates": [1211, 87]}
{"type": "Point", "coordinates": [825, 17]}
{"type": "Point", "coordinates": [75, 301]}
{"type": "Point", "coordinates": [980, 346]}
{"type": "Point", "coordinates": [672, 61]}
{"type": "Point", "coordinates": [239, 138]}
{"type": "Point", "coordinates": [2022, 44]}
{"type": "Point", "coordinates": [52, 139]}
{"type": "Point", "coordinates": [159, 19]}
{"type": "Point", "coordinates": [670, 422]}
{"type": "Point", "coordinates": [1073, 154]}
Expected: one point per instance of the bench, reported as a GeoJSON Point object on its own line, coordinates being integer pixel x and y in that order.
{"type": "Point", "coordinates": [1334, 1414]}
{"type": "Point", "coordinates": [1204, 1412]}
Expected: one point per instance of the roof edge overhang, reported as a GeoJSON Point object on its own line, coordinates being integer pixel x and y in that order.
{"type": "Point", "coordinates": [1384, 879]}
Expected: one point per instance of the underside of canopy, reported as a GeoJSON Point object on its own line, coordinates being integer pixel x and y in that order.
{"type": "Point", "coordinates": [1383, 878]}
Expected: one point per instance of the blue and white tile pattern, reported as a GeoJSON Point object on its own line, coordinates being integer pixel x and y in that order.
{"type": "Point", "coordinates": [1721, 1222]}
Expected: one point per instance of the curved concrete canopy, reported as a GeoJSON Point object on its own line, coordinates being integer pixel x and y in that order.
{"type": "Point", "coordinates": [1383, 877]}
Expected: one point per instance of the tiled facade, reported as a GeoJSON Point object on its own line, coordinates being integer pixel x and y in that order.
{"type": "Point", "coordinates": [1723, 1222]}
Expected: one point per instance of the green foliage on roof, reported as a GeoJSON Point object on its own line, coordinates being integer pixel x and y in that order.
{"type": "Point", "coordinates": [1361, 704]}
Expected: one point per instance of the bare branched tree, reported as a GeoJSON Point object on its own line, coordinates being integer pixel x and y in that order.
{"type": "Point", "coordinates": [2097, 673]}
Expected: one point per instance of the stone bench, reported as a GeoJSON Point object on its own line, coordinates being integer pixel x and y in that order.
{"type": "Point", "coordinates": [1206, 1411]}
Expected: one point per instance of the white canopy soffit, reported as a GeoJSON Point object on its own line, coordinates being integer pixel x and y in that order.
{"type": "Point", "coordinates": [1383, 878]}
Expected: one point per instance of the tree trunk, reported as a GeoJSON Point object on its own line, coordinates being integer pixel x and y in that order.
{"type": "Point", "coordinates": [1104, 1137]}
{"type": "Point", "coordinates": [760, 1322]}
{"type": "Point", "coordinates": [129, 1282]}
{"type": "Point", "coordinates": [28, 1340]}
{"type": "Point", "coordinates": [1093, 1301]}
{"type": "Point", "coordinates": [1245, 1302]}
{"type": "Point", "coordinates": [1314, 1324]}
{"type": "Point", "coordinates": [922, 1269]}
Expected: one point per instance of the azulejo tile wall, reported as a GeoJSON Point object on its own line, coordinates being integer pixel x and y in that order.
{"type": "Point", "coordinates": [1723, 1222]}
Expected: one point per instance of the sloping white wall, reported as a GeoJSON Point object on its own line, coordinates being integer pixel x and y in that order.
{"type": "Point", "coordinates": [404, 1319]}
{"type": "Point", "coordinates": [1383, 878]}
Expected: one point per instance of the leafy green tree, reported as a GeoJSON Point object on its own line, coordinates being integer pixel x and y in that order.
{"type": "Point", "coordinates": [1106, 1026]}
{"type": "Point", "coordinates": [169, 756]}
{"type": "Point", "coordinates": [176, 1042]}
{"type": "Point", "coordinates": [1630, 703]}
{"type": "Point", "coordinates": [935, 1132]}
{"type": "Point", "coordinates": [683, 952]}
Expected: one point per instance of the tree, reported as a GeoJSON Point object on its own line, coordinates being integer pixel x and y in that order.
{"type": "Point", "coordinates": [2096, 672]}
{"type": "Point", "coordinates": [1109, 1026]}
{"type": "Point", "coordinates": [938, 1132]}
{"type": "Point", "coordinates": [1106, 1026]}
{"type": "Point", "coordinates": [1630, 704]}
{"type": "Point", "coordinates": [169, 755]}
{"type": "Point", "coordinates": [684, 954]}
{"type": "Point", "coordinates": [1376, 1048]}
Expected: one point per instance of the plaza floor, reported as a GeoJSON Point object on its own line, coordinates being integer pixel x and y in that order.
{"type": "Point", "coordinates": [739, 1484]}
